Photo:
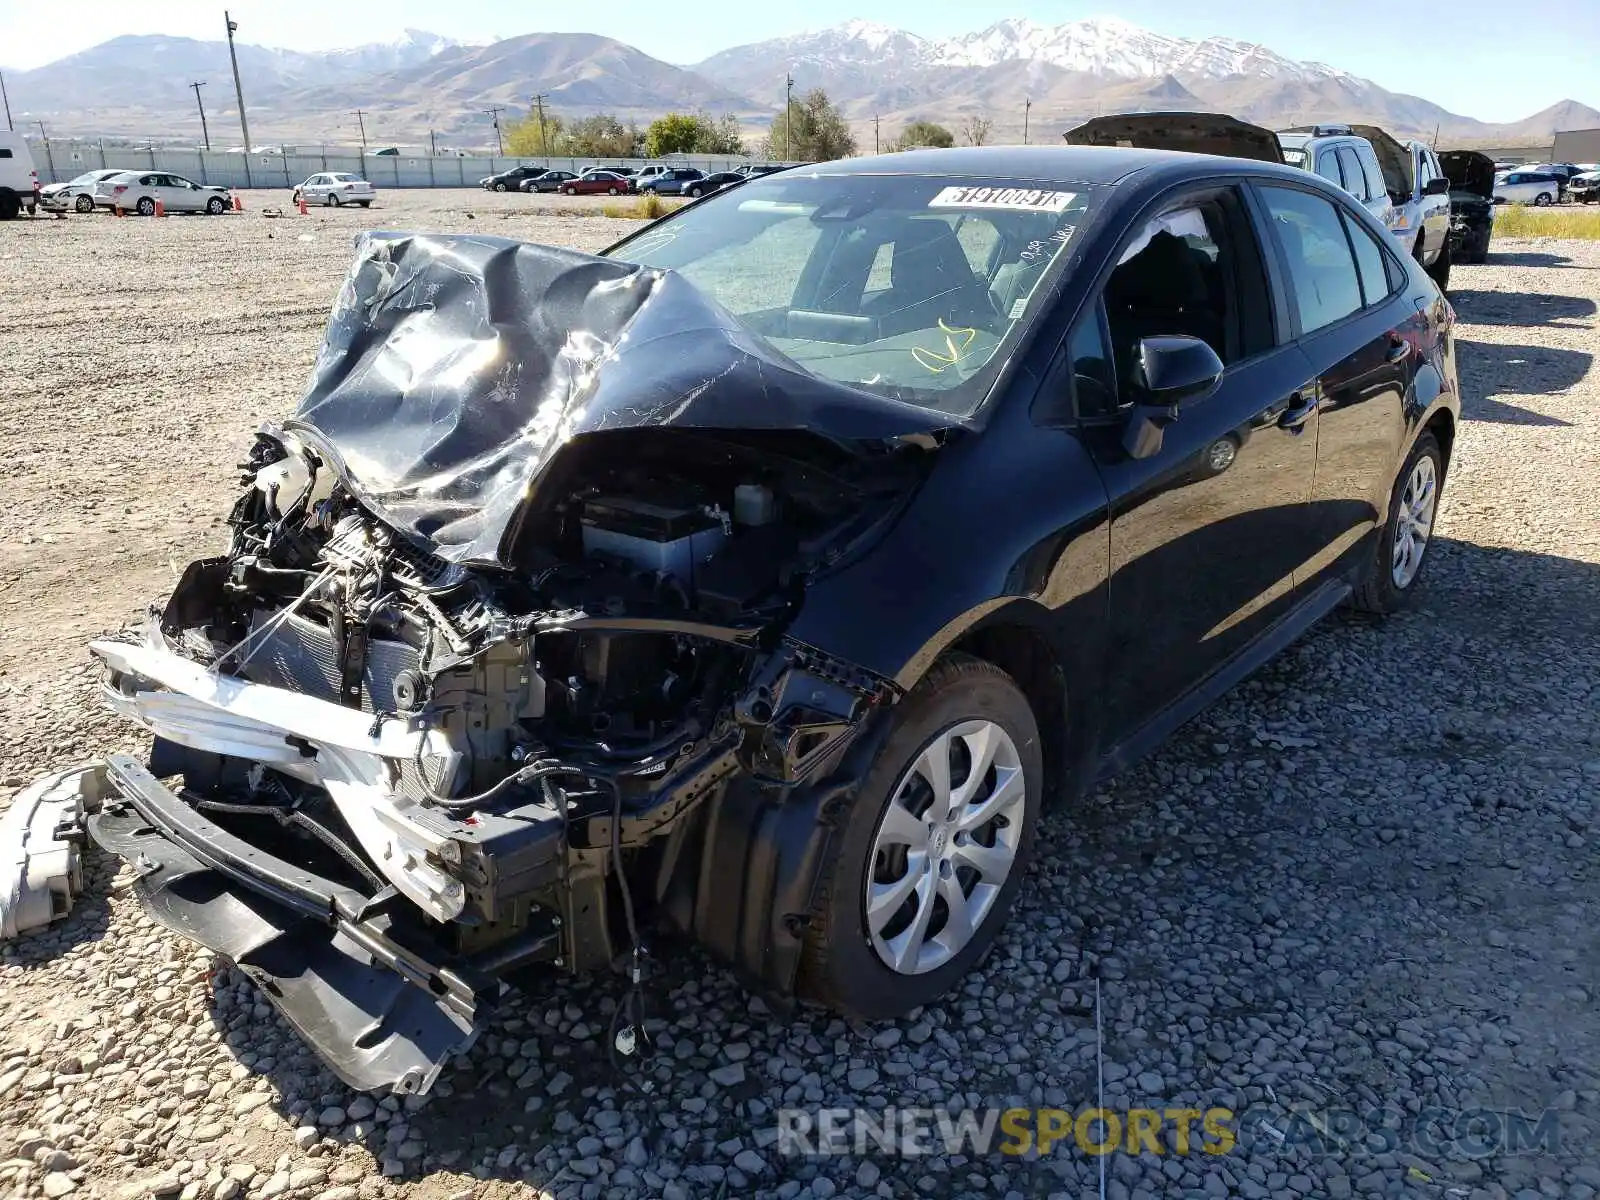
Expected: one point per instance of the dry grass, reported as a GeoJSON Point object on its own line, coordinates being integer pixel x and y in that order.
{"type": "Point", "coordinates": [645, 208]}
{"type": "Point", "coordinates": [1573, 221]}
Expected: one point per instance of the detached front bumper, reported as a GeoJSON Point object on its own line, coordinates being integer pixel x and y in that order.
{"type": "Point", "coordinates": [382, 1015]}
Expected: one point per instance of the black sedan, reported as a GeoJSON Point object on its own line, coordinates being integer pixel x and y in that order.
{"type": "Point", "coordinates": [814, 537]}
{"type": "Point", "coordinates": [547, 181]}
{"type": "Point", "coordinates": [510, 181]}
{"type": "Point", "coordinates": [1174, 409]}
{"type": "Point", "coordinates": [718, 180]}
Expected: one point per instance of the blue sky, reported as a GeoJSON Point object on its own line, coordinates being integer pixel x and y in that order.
{"type": "Point", "coordinates": [1489, 59]}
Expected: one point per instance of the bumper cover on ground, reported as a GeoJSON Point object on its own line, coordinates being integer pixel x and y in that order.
{"type": "Point", "coordinates": [383, 1017]}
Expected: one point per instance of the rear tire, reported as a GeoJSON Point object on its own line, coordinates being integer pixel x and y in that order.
{"type": "Point", "coordinates": [611, 191]}
{"type": "Point", "coordinates": [1386, 588]}
{"type": "Point", "coordinates": [1543, 200]}
{"type": "Point", "coordinates": [843, 963]}
{"type": "Point", "coordinates": [146, 207]}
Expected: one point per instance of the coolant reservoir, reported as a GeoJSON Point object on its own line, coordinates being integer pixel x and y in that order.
{"type": "Point", "coordinates": [283, 483]}
{"type": "Point", "coordinates": [753, 504]}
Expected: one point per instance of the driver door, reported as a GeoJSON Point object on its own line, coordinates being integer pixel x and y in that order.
{"type": "Point", "coordinates": [1206, 533]}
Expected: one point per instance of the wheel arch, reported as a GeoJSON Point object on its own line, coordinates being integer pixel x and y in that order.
{"type": "Point", "coordinates": [1022, 651]}
{"type": "Point", "coordinates": [1442, 424]}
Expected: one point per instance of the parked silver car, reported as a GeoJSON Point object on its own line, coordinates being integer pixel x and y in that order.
{"type": "Point", "coordinates": [76, 194]}
{"type": "Point", "coordinates": [138, 191]}
{"type": "Point", "coordinates": [333, 188]}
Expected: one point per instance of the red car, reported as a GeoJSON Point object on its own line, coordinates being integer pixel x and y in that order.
{"type": "Point", "coordinates": [607, 183]}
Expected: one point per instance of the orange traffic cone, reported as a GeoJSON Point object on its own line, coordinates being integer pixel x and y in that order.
{"type": "Point", "coordinates": [161, 209]}
{"type": "Point", "coordinates": [117, 209]}
{"type": "Point", "coordinates": [237, 205]}
{"type": "Point", "coordinates": [303, 210]}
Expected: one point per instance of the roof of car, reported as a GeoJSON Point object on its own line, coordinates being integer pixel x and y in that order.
{"type": "Point", "coordinates": [1089, 165]}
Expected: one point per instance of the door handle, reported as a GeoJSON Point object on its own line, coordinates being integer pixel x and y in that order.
{"type": "Point", "coordinates": [1298, 412]}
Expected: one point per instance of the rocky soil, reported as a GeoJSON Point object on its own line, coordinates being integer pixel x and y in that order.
{"type": "Point", "coordinates": [1366, 879]}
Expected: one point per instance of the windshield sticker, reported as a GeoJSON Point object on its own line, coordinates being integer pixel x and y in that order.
{"type": "Point", "coordinates": [1017, 199]}
{"type": "Point", "coordinates": [939, 361]}
{"type": "Point", "coordinates": [1018, 308]}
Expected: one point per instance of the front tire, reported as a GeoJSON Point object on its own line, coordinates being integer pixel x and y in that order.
{"type": "Point", "coordinates": [572, 191]}
{"type": "Point", "coordinates": [499, 187]}
{"type": "Point", "coordinates": [694, 193]}
{"type": "Point", "coordinates": [1440, 271]}
{"type": "Point", "coordinates": [215, 206]}
{"type": "Point", "coordinates": [1402, 548]}
{"type": "Point", "coordinates": [611, 191]}
{"type": "Point", "coordinates": [926, 863]}
{"type": "Point", "coordinates": [84, 204]}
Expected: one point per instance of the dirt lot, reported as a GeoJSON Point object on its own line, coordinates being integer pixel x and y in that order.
{"type": "Point", "coordinates": [1365, 880]}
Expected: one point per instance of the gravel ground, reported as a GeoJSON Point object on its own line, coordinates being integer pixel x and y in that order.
{"type": "Point", "coordinates": [1366, 878]}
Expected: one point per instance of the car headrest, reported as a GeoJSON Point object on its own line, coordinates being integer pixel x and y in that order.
{"type": "Point", "coordinates": [1164, 274]}
{"type": "Point", "coordinates": [928, 258]}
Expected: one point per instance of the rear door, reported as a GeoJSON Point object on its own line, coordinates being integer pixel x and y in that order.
{"type": "Point", "coordinates": [1360, 332]}
{"type": "Point", "coordinates": [1435, 208]}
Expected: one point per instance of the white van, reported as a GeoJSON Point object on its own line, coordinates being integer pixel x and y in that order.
{"type": "Point", "coordinates": [19, 182]}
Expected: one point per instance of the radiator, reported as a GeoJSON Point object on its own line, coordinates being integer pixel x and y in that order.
{"type": "Point", "coordinates": [300, 655]}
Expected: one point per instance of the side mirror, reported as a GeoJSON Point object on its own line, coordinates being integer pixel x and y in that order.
{"type": "Point", "coordinates": [1437, 186]}
{"type": "Point", "coordinates": [1171, 373]}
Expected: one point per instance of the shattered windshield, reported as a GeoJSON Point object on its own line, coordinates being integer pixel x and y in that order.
{"type": "Point", "coordinates": [911, 286]}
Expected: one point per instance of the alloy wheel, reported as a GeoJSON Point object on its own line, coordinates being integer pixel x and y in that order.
{"type": "Point", "coordinates": [944, 847]}
{"type": "Point", "coordinates": [1414, 522]}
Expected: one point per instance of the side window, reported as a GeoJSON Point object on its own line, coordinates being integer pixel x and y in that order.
{"type": "Point", "coordinates": [1355, 181]}
{"type": "Point", "coordinates": [1328, 167]}
{"type": "Point", "coordinates": [1194, 270]}
{"type": "Point", "coordinates": [1376, 187]}
{"type": "Point", "coordinates": [5, 151]}
{"type": "Point", "coordinates": [1094, 385]}
{"type": "Point", "coordinates": [1370, 264]}
{"type": "Point", "coordinates": [1322, 273]}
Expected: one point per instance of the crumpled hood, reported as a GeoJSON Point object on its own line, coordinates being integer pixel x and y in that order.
{"type": "Point", "coordinates": [1195, 133]}
{"type": "Point", "coordinates": [1469, 171]}
{"type": "Point", "coordinates": [456, 367]}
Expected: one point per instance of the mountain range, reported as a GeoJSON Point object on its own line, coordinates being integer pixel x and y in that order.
{"type": "Point", "coordinates": [881, 77]}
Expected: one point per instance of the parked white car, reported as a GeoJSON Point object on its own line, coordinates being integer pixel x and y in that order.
{"type": "Point", "coordinates": [77, 193]}
{"type": "Point", "coordinates": [333, 188]}
{"type": "Point", "coordinates": [1527, 187]}
{"type": "Point", "coordinates": [138, 191]}
{"type": "Point", "coordinates": [19, 182]}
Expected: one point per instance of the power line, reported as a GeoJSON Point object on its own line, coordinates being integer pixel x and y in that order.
{"type": "Point", "coordinates": [203, 129]}
{"type": "Point", "coordinates": [494, 111]}
{"type": "Point", "coordinates": [238, 90]}
{"type": "Point", "coordinates": [360, 115]}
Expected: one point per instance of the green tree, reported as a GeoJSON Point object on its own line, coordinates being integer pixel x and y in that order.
{"type": "Point", "coordinates": [720, 137]}
{"type": "Point", "coordinates": [528, 139]}
{"type": "Point", "coordinates": [813, 130]}
{"type": "Point", "coordinates": [924, 133]}
{"type": "Point", "coordinates": [601, 136]}
{"type": "Point", "coordinates": [675, 133]}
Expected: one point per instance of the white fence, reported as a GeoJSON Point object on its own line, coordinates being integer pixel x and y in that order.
{"type": "Point", "coordinates": [58, 160]}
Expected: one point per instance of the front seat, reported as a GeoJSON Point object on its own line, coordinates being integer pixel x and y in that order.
{"type": "Point", "coordinates": [930, 280]}
{"type": "Point", "coordinates": [1160, 291]}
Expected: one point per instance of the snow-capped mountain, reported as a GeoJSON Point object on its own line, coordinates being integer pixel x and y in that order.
{"type": "Point", "coordinates": [1114, 47]}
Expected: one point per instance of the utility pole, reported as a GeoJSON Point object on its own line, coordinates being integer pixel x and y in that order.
{"type": "Point", "coordinates": [494, 111]}
{"type": "Point", "coordinates": [203, 129]}
{"type": "Point", "coordinates": [50, 158]}
{"type": "Point", "coordinates": [433, 145]}
{"type": "Point", "coordinates": [875, 133]}
{"type": "Point", "coordinates": [7, 100]}
{"type": "Point", "coordinates": [788, 117]}
{"type": "Point", "coordinates": [544, 136]}
{"type": "Point", "coordinates": [238, 90]}
{"type": "Point", "coordinates": [1027, 106]}
{"type": "Point", "coordinates": [360, 115]}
